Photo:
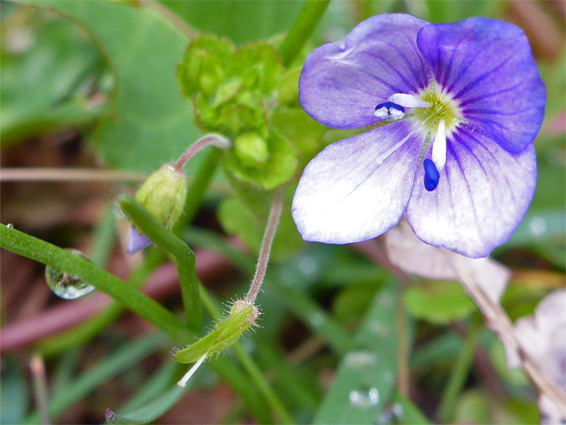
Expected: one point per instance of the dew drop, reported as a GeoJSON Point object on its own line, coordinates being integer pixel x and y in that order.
{"type": "Point", "coordinates": [65, 286]}
{"type": "Point", "coordinates": [10, 226]}
{"type": "Point", "coordinates": [388, 415]}
{"type": "Point", "coordinates": [364, 398]}
{"type": "Point", "coordinates": [360, 359]}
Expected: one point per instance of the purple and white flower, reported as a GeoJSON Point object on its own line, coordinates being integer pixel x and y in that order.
{"type": "Point", "coordinates": [462, 104]}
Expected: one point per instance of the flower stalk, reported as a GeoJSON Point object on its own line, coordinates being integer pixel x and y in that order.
{"type": "Point", "coordinates": [500, 323]}
{"type": "Point", "coordinates": [266, 243]}
{"type": "Point", "coordinates": [211, 139]}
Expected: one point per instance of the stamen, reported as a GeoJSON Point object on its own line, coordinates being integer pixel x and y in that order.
{"type": "Point", "coordinates": [408, 101]}
{"type": "Point", "coordinates": [192, 370]}
{"type": "Point", "coordinates": [389, 110]}
{"type": "Point", "coordinates": [431, 175]}
{"type": "Point", "coordinates": [439, 147]}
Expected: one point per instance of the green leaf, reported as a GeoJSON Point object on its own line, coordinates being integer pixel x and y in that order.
{"type": "Point", "coordinates": [45, 85]}
{"type": "Point", "coordinates": [225, 334]}
{"type": "Point", "coordinates": [242, 21]}
{"type": "Point", "coordinates": [13, 393]}
{"type": "Point", "coordinates": [276, 170]}
{"type": "Point", "coordinates": [236, 219]}
{"type": "Point", "coordinates": [438, 302]}
{"type": "Point", "coordinates": [151, 122]}
{"type": "Point", "coordinates": [294, 125]}
{"type": "Point", "coordinates": [365, 379]}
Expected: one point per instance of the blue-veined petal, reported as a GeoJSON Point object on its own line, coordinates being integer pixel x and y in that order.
{"type": "Point", "coordinates": [487, 66]}
{"type": "Point", "coordinates": [483, 194]}
{"type": "Point", "coordinates": [342, 82]}
{"type": "Point", "coordinates": [358, 188]}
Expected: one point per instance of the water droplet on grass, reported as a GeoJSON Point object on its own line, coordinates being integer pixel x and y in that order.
{"type": "Point", "coordinates": [10, 226]}
{"type": "Point", "coordinates": [364, 398]}
{"type": "Point", "coordinates": [66, 286]}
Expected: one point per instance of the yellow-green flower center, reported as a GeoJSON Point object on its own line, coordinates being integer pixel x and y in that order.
{"type": "Point", "coordinates": [442, 107]}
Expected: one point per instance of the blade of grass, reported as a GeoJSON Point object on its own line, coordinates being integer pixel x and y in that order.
{"type": "Point", "coordinates": [365, 379]}
{"type": "Point", "coordinates": [112, 365]}
{"type": "Point", "coordinates": [184, 256]}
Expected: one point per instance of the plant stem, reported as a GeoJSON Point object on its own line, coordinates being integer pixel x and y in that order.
{"type": "Point", "coordinates": [197, 189]}
{"type": "Point", "coordinates": [185, 258]}
{"type": "Point", "coordinates": [69, 174]}
{"type": "Point", "coordinates": [266, 243]}
{"type": "Point", "coordinates": [211, 139]}
{"type": "Point", "coordinates": [301, 30]}
{"type": "Point", "coordinates": [84, 332]}
{"type": "Point", "coordinates": [458, 375]}
{"type": "Point", "coordinates": [250, 366]}
{"type": "Point", "coordinates": [166, 240]}
{"type": "Point", "coordinates": [60, 259]}
{"type": "Point", "coordinates": [40, 391]}
{"type": "Point", "coordinates": [402, 346]}
{"type": "Point", "coordinates": [500, 323]}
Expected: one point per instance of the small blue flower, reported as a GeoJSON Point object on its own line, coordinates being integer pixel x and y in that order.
{"type": "Point", "coordinates": [462, 102]}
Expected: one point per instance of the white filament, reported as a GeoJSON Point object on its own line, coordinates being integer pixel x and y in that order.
{"type": "Point", "coordinates": [439, 147]}
{"type": "Point", "coordinates": [408, 101]}
{"type": "Point", "coordinates": [192, 370]}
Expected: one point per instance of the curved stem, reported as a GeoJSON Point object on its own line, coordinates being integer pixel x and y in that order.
{"type": "Point", "coordinates": [185, 258]}
{"type": "Point", "coordinates": [212, 139]}
{"type": "Point", "coordinates": [266, 243]}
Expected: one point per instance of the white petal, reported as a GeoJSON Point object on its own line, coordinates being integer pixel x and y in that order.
{"type": "Point", "coordinates": [358, 188]}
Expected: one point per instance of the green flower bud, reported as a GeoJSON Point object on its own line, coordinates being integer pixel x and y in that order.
{"type": "Point", "coordinates": [251, 149]}
{"type": "Point", "coordinates": [163, 194]}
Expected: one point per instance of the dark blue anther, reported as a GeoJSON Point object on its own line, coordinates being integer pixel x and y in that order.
{"type": "Point", "coordinates": [390, 105]}
{"type": "Point", "coordinates": [431, 175]}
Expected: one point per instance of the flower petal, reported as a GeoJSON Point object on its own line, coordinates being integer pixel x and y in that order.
{"type": "Point", "coordinates": [483, 193]}
{"type": "Point", "coordinates": [137, 241]}
{"type": "Point", "coordinates": [342, 82]}
{"type": "Point", "coordinates": [358, 188]}
{"type": "Point", "coordinates": [488, 67]}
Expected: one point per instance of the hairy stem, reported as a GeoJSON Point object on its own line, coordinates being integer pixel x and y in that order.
{"type": "Point", "coordinates": [302, 29]}
{"type": "Point", "coordinates": [266, 243]}
{"type": "Point", "coordinates": [212, 139]}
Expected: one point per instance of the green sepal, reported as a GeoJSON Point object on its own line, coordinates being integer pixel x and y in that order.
{"type": "Point", "coordinates": [279, 167]}
{"type": "Point", "coordinates": [251, 149]}
{"type": "Point", "coordinates": [238, 220]}
{"type": "Point", "coordinates": [163, 194]}
{"type": "Point", "coordinates": [258, 66]}
{"type": "Point", "coordinates": [241, 114]}
{"type": "Point", "coordinates": [204, 64]}
{"type": "Point", "coordinates": [225, 334]}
